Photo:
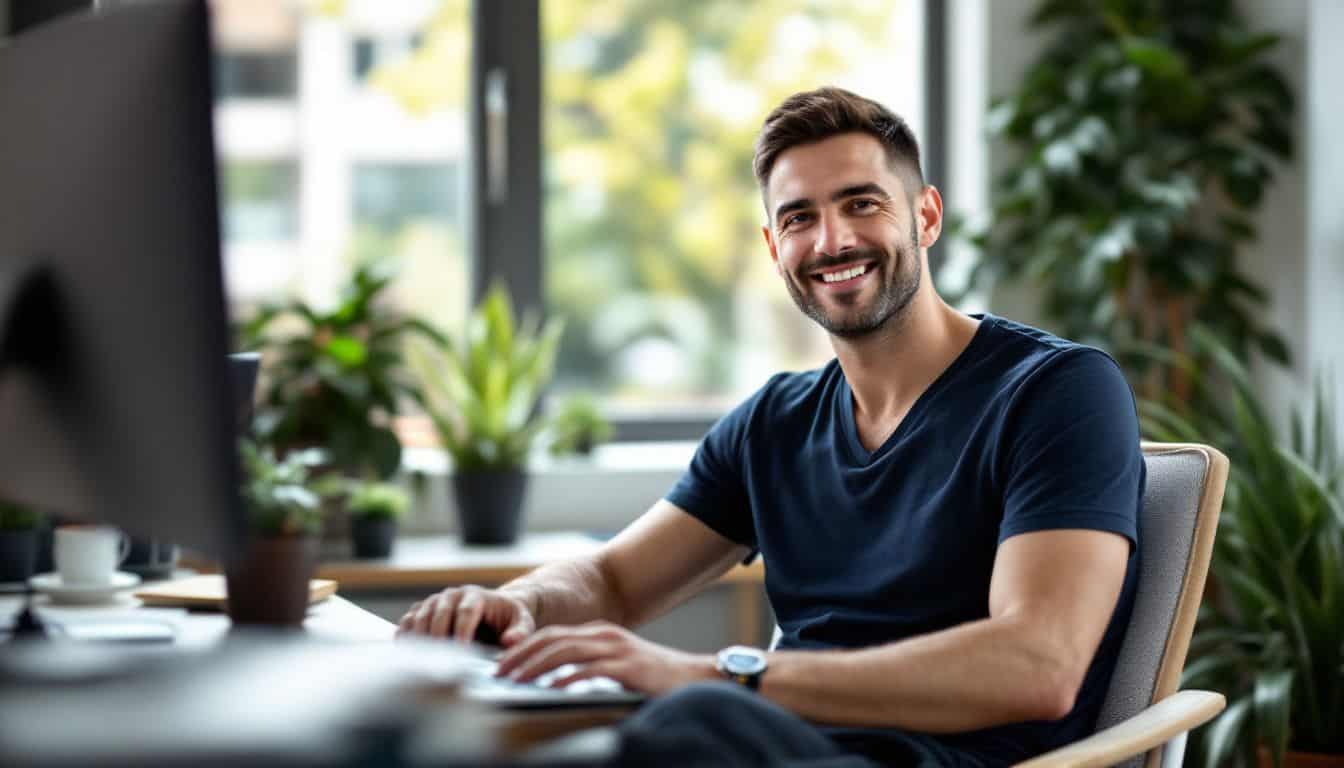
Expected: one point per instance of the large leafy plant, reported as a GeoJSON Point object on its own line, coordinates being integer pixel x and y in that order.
{"type": "Point", "coordinates": [482, 391]}
{"type": "Point", "coordinates": [1145, 135]}
{"type": "Point", "coordinates": [334, 379]}
{"type": "Point", "coordinates": [1271, 636]}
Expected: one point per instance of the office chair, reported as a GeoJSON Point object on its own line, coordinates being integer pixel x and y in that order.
{"type": "Point", "coordinates": [1144, 719]}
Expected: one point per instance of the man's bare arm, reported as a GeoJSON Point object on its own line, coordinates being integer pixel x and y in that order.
{"type": "Point", "coordinates": [1051, 597]}
{"type": "Point", "coordinates": [656, 562]}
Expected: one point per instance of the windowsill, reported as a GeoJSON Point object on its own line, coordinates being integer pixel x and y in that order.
{"type": "Point", "coordinates": [601, 492]}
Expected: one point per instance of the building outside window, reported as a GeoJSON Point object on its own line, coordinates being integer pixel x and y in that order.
{"type": "Point", "coordinates": [652, 243]}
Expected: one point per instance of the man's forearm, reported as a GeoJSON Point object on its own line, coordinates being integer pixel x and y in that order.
{"type": "Point", "coordinates": [976, 675]}
{"type": "Point", "coordinates": [569, 592]}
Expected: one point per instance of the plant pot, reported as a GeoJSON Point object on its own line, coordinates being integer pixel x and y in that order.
{"type": "Point", "coordinates": [269, 584]}
{"type": "Point", "coordinates": [1293, 759]}
{"type": "Point", "coordinates": [18, 554]}
{"type": "Point", "coordinates": [490, 505]}
{"type": "Point", "coordinates": [372, 537]}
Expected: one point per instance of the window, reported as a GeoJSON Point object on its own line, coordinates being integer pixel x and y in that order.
{"type": "Point", "coordinates": [652, 218]}
{"type": "Point", "coordinates": [618, 135]}
{"type": "Point", "coordinates": [321, 169]}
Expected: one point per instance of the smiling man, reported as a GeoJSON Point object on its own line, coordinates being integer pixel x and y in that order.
{"type": "Point", "coordinates": [947, 511]}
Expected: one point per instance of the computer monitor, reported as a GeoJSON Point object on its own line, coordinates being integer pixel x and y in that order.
{"type": "Point", "coordinates": [115, 400]}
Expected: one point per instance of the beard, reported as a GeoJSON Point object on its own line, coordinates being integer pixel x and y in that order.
{"type": "Point", "coordinates": [900, 282]}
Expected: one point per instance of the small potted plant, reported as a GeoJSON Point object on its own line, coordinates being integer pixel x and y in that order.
{"type": "Point", "coordinates": [375, 509]}
{"type": "Point", "coordinates": [19, 528]}
{"type": "Point", "coordinates": [578, 427]}
{"type": "Point", "coordinates": [482, 396]}
{"type": "Point", "coordinates": [268, 584]}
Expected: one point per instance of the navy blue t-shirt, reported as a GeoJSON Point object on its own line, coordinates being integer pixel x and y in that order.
{"type": "Point", "coordinates": [1023, 432]}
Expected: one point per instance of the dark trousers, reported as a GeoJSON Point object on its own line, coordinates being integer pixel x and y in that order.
{"type": "Point", "coordinates": [724, 724]}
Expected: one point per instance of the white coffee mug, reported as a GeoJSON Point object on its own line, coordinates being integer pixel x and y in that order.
{"type": "Point", "coordinates": [89, 554]}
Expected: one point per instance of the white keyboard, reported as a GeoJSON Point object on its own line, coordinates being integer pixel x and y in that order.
{"type": "Point", "coordinates": [482, 685]}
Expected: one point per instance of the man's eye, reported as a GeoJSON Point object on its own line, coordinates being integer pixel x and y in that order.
{"type": "Point", "coordinates": [797, 218]}
{"type": "Point", "coordinates": [863, 205]}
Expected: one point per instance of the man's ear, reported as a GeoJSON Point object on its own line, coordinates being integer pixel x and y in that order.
{"type": "Point", "coordinates": [930, 212]}
{"type": "Point", "coordinates": [770, 243]}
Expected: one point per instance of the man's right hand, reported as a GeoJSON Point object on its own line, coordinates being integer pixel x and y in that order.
{"type": "Point", "coordinates": [457, 612]}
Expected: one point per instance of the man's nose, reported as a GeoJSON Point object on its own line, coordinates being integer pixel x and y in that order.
{"type": "Point", "coordinates": [834, 234]}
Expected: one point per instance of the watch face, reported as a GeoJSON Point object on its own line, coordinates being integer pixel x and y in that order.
{"type": "Point", "coordinates": [743, 661]}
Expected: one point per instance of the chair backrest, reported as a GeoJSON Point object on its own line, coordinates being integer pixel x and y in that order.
{"type": "Point", "coordinates": [1180, 515]}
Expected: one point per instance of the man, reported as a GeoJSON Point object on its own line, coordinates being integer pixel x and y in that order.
{"type": "Point", "coordinates": [947, 511]}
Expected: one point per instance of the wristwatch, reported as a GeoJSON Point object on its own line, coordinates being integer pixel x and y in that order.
{"type": "Point", "coordinates": [742, 664]}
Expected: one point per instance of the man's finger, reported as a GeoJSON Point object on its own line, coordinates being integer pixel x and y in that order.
{"type": "Point", "coordinates": [605, 668]}
{"type": "Point", "coordinates": [559, 654]}
{"type": "Point", "coordinates": [408, 618]}
{"type": "Point", "coordinates": [467, 616]}
{"type": "Point", "coordinates": [425, 615]}
{"type": "Point", "coordinates": [442, 623]}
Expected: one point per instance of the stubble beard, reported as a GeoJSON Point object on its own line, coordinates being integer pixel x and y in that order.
{"type": "Point", "coordinates": [897, 291]}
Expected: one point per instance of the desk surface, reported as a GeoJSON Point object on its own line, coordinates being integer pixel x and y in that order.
{"type": "Point", "coordinates": [282, 704]}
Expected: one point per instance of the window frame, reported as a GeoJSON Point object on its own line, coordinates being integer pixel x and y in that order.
{"type": "Point", "coordinates": [508, 234]}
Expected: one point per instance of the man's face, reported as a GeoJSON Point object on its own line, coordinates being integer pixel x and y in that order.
{"type": "Point", "coordinates": [843, 233]}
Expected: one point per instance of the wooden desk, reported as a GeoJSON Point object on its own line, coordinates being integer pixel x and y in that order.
{"type": "Point", "coordinates": [428, 563]}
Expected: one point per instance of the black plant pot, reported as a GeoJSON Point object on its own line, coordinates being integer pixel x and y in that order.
{"type": "Point", "coordinates": [18, 554]}
{"type": "Point", "coordinates": [372, 537]}
{"type": "Point", "coordinates": [490, 505]}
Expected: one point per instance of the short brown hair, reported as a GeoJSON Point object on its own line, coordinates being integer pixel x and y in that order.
{"type": "Point", "coordinates": [811, 116]}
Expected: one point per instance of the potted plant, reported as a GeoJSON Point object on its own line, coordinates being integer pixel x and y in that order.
{"type": "Point", "coordinates": [374, 510]}
{"type": "Point", "coordinates": [268, 584]}
{"type": "Point", "coordinates": [482, 394]}
{"type": "Point", "coordinates": [1270, 634]}
{"type": "Point", "coordinates": [578, 426]}
{"type": "Point", "coordinates": [19, 529]}
{"type": "Point", "coordinates": [335, 379]}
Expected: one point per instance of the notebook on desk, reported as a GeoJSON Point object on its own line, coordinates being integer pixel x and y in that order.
{"type": "Point", "coordinates": [209, 591]}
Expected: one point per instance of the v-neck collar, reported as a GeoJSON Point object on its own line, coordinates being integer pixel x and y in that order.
{"type": "Point", "coordinates": [861, 456]}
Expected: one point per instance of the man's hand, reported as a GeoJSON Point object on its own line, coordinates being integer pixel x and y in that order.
{"type": "Point", "coordinates": [457, 612]}
{"type": "Point", "coordinates": [602, 649]}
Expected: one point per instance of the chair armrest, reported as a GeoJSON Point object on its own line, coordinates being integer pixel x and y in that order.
{"type": "Point", "coordinates": [1154, 726]}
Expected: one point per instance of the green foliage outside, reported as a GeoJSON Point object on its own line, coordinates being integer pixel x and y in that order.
{"type": "Point", "coordinates": [1270, 634]}
{"type": "Point", "coordinates": [1146, 134]}
{"type": "Point", "coordinates": [276, 492]}
{"type": "Point", "coordinates": [335, 378]}
{"type": "Point", "coordinates": [377, 501]}
{"type": "Point", "coordinates": [15, 517]}
{"type": "Point", "coordinates": [578, 426]}
{"type": "Point", "coordinates": [482, 391]}
{"type": "Point", "coordinates": [652, 213]}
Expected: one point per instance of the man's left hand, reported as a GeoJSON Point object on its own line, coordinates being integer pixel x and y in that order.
{"type": "Point", "coordinates": [603, 649]}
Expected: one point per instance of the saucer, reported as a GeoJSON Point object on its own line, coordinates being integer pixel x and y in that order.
{"type": "Point", "coordinates": [50, 584]}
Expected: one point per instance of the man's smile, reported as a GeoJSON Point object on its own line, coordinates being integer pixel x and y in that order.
{"type": "Point", "coordinates": [844, 277]}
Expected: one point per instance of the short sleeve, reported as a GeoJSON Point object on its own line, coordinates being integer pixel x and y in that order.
{"type": "Point", "coordinates": [1073, 458]}
{"type": "Point", "coordinates": [713, 489]}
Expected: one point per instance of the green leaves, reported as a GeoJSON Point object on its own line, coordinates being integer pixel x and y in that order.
{"type": "Point", "coordinates": [482, 394]}
{"type": "Point", "coordinates": [1145, 137]}
{"type": "Point", "coordinates": [1271, 636]}
{"type": "Point", "coordinates": [276, 493]}
{"type": "Point", "coordinates": [334, 379]}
